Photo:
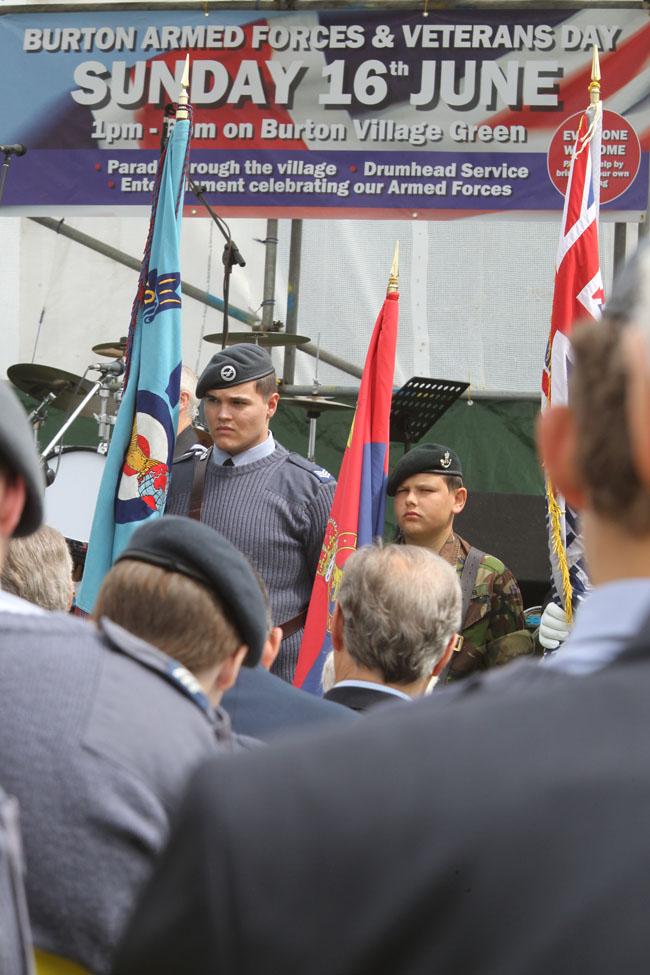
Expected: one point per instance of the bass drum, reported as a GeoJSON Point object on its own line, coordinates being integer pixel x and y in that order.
{"type": "Point", "coordinates": [70, 500]}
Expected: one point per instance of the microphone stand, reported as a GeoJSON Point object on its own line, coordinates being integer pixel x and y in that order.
{"type": "Point", "coordinates": [4, 169]}
{"type": "Point", "coordinates": [73, 416]}
{"type": "Point", "coordinates": [231, 254]}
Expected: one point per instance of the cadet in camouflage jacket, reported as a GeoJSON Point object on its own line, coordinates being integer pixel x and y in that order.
{"type": "Point", "coordinates": [427, 484]}
{"type": "Point", "coordinates": [494, 631]}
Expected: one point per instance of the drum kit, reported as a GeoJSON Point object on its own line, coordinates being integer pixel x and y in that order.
{"type": "Point", "coordinates": [73, 473]}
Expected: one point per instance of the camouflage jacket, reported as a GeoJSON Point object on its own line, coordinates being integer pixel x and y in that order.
{"type": "Point", "coordinates": [494, 631]}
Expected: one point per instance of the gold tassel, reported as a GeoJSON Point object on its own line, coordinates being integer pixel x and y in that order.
{"type": "Point", "coordinates": [555, 518]}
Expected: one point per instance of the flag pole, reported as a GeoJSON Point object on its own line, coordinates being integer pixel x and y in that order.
{"type": "Point", "coordinates": [554, 510]}
{"type": "Point", "coordinates": [594, 84]}
{"type": "Point", "coordinates": [393, 280]}
{"type": "Point", "coordinates": [183, 101]}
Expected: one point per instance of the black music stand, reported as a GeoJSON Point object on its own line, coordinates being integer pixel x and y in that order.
{"type": "Point", "coordinates": [418, 404]}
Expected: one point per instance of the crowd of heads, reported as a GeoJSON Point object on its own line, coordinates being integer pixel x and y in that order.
{"type": "Point", "coordinates": [184, 589]}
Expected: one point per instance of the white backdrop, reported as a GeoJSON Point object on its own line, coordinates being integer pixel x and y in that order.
{"type": "Point", "coordinates": [475, 295]}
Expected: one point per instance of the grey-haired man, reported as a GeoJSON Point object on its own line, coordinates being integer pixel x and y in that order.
{"type": "Point", "coordinates": [394, 626]}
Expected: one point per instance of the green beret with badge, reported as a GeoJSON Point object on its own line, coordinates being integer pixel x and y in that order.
{"type": "Point", "coordinates": [426, 458]}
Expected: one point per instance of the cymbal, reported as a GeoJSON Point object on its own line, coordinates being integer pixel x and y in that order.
{"type": "Point", "coordinates": [37, 381]}
{"type": "Point", "coordinates": [112, 350]}
{"type": "Point", "coordinates": [315, 404]}
{"type": "Point", "coordinates": [258, 338]}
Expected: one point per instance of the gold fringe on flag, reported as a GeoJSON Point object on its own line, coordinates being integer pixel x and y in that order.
{"type": "Point", "coordinates": [555, 521]}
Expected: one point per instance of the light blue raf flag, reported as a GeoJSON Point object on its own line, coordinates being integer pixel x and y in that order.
{"type": "Point", "coordinates": [136, 474]}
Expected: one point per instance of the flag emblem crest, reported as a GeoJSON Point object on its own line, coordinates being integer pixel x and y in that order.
{"type": "Point", "coordinates": [337, 546]}
{"type": "Point", "coordinates": [160, 294]}
{"type": "Point", "coordinates": [145, 472]}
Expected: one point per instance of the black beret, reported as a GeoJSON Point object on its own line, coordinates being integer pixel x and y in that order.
{"type": "Point", "coordinates": [19, 456]}
{"type": "Point", "coordinates": [194, 549]}
{"type": "Point", "coordinates": [234, 366]}
{"type": "Point", "coordinates": [426, 458]}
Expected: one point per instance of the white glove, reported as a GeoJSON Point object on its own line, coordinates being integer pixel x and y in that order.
{"type": "Point", "coordinates": [554, 627]}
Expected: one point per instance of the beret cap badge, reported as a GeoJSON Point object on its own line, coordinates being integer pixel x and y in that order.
{"type": "Point", "coordinates": [241, 363]}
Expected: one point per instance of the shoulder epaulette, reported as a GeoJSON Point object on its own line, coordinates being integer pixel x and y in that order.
{"type": "Point", "coordinates": [492, 563]}
{"type": "Point", "coordinates": [307, 465]}
{"type": "Point", "coordinates": [196, 450]}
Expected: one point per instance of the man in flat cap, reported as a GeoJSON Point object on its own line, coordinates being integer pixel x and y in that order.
{"type": "Point", "coordinates": [99, 733]}
{"type": "Point", "coordinates": [272, 504]}
{"type": "Point", "coordinates": [428, 488]}
{"type": "Point", "coordinates": [21, 509]}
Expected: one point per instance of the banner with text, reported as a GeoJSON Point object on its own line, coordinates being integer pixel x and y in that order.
{"type": "Point", "coordinates": [326, 114]}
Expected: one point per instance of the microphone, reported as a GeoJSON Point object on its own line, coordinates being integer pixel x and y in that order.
{"type": "Point", "coordinates": [231, 254]}
{"type": "Point", "coordinates": [115, 368]}
{"type": "Point", "coordinates": [16, 150]}
{"type": "Point", "coordinates": [49, 474]}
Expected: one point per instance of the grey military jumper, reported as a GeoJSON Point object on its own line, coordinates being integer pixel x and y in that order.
{"type": "Point", "coordinates": [275, 511]}
{"type": "Point", "coordinates": [97, 740]}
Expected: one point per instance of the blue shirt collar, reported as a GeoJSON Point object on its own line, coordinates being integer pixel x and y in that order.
{"type": "Point", "coordinates": [607, 619]}
{"type": "Point", "coordinates": [258, 452]}
{"type": "Point", "coordinates": [376, 687]}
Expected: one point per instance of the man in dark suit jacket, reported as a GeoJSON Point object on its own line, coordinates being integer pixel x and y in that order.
{"type": "Point", "coordinates": [264, 706]}
{"type": "Point", "coordinates": [394, 626]}
{"type": "Point", "coordinates": [497, 827]}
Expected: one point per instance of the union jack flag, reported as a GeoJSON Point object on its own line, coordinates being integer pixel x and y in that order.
{"type": "Point", "coordinates": [578, 295]}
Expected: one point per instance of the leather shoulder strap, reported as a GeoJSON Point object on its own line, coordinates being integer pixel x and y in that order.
{"type": "Point", "coordinates": [468, 578]}
{"type": "Point", "coordinates": [198, 481]}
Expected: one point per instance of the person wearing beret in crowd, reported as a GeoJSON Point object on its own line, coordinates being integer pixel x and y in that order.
{"type": "Point", "coordinates": [185, 589]}
{"type": "Point", "coordinates": [100, 731]}
{"type": "Point", "coordinates": [272, 504]}
{"type": "Point", "coordinates": [427, 485]}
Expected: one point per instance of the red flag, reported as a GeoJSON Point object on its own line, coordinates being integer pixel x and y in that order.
{"type": "Point", "coordinates": [357, 515]}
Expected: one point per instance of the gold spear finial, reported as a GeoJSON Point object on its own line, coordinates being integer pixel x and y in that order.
{"type": "Point", "coordinates": [594, 84]}
{"type": "Point", "coordinates": [393, 280]}
{"type": "Point", "coordinates": [181, 111]}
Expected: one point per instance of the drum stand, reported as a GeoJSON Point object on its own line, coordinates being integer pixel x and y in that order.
{"type": "Point", "coordinates": [105, 420]}
{"type": "Point", "coordinates": [103, 388]}
{"type": "Point", "coordinates": [38, 415]}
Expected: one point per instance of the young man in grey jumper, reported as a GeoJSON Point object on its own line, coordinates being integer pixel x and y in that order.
{"type": "Point", "coordinates": [271, 504]}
